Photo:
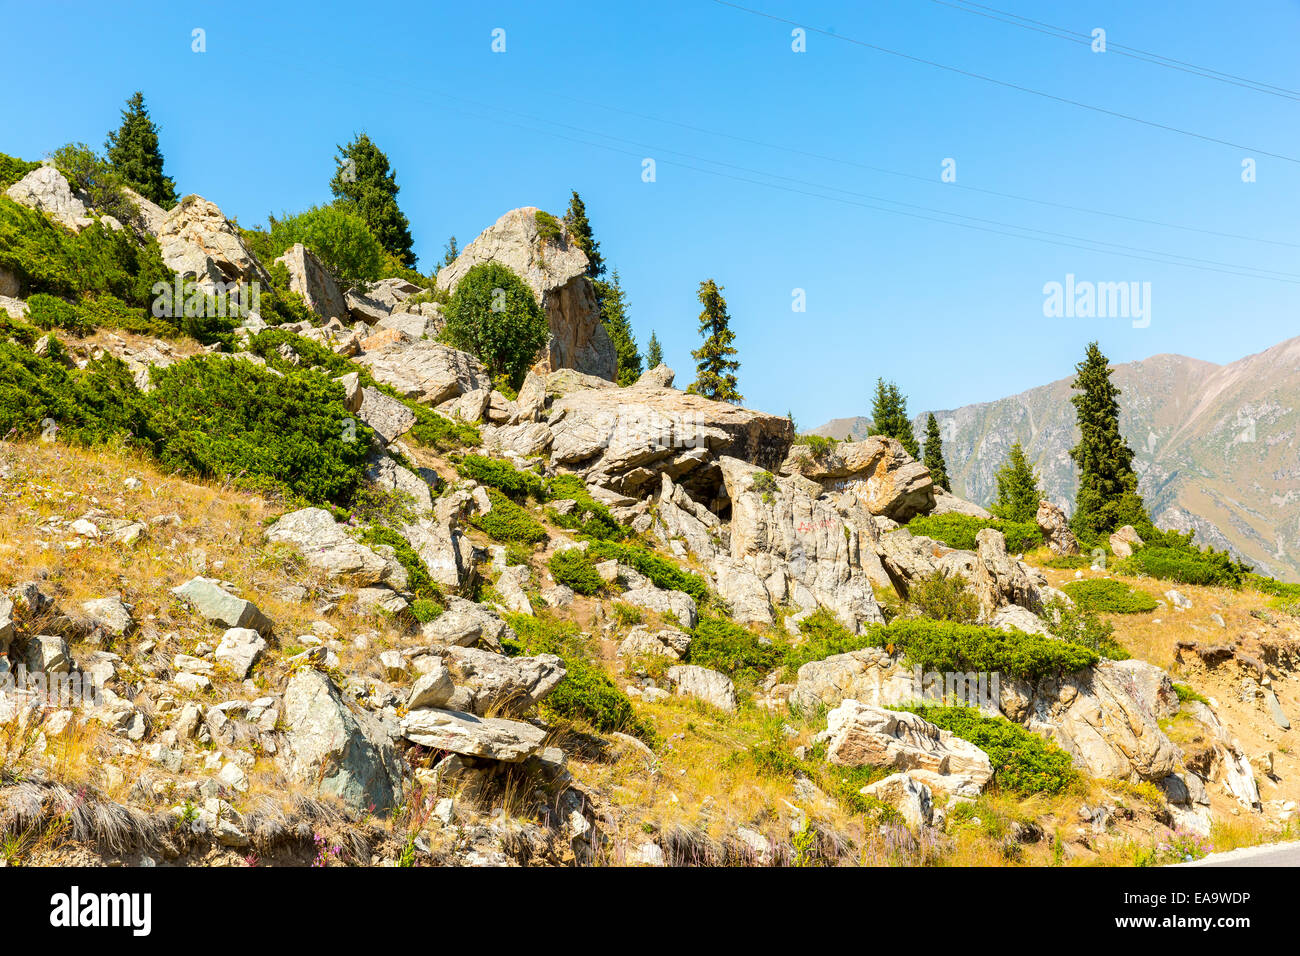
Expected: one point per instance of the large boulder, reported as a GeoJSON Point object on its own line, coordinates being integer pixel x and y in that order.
{"type": "Point", "coordinates": [345, 753]}
{"type": "Point", "coordinates": [489, 683]}
{"type": "Point", "coordinates": [495, 738]}
{"type": "Point", "coordinates": [1124, 541]}
{"type": "Point", "coordinates": [215, 604]}
{"type": "Point", "coordinates": [690, 680]}
{"type": "Point", "coordinates": [860, 735]}
{"type": "Point", "coordinates": [426, 371]}
{"type": "Point", "coordinates": [327, 546]}
{"type": "Point", "coordinates": [1106, 717]}
{"type": "Point", "coordinates": [999, 578]}
{"type": "Point", "coordinates": [870, 676]}
{"type": "Point", "coordinates": [626, 439]}
{"type": "Point", "coordinates": [199, 243]}
{"type": "Point", "coordinates": [807, 547]}
{"type": "Point", "coordinates": [877, 470]}
{"type": "Point", "coordinates": [46, 190]}
{"type": "Point", "coordinates": [311, 280]}
{"type": "Point", "coordinates": [385, 414]}
{"type": "Point", "coordinates": [1056, 529]}
{"type": "Point", "coordinates": [556, 271]}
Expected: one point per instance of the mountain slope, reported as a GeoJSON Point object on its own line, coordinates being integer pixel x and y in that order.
{"type": "Point", "coordinates": [1216, 447]}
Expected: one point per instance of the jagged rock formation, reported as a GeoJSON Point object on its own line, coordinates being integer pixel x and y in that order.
{"type": "Point", "coordinates": [313, 282]}
{"type": "Point", "coordinates": [199, 243]}
{"type": "Point", "coordinates": [46, 189]}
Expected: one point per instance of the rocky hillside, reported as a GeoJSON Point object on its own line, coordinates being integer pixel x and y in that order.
{"type": "Point", "coordinates": [320, 591]}
{"type": "Point", "coordinates": [1215, 447]}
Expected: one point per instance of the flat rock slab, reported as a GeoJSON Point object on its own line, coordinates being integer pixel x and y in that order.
{"type": "Point", "coordinates": [509, 741]}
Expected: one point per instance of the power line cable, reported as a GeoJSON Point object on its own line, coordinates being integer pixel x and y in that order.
{"type": "Point", "coordinates": [1013, 86]}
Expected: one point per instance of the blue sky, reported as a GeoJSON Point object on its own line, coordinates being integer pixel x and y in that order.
{"type": "Point", "coordinates": [762, 160]}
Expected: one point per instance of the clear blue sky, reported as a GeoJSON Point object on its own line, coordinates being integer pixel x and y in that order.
{"type": "Point", "coordinates": [585, 90]}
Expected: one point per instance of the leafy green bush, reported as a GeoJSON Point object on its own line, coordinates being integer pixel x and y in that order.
{"type": "Point", "coordinates": [589, 518]}
{"type": "Point", "coordinates": [1070, 623]}
{"type": "Point", "coordinates": [658, 569]}
{"type": "Point", "coordinates": [494, 315]}
{"type": "Point", "coordinates": [103, 185]}
{"type": "Point", "coordinates": [502, 476]}
{"type": "Point", "coordinates": [586, 692]}
{"type": "Point", "coordinates": [50, 312]}
{"type": "Point", "coordinates": [958, 531]}
{"type": "Point", "coordinates": [1108, 595]}
{"type": "Point", "coordinates": [340, 239]}
{"type": "Point", "coordinates": [944, 597]}
{"type": "Point", "coordinates": [574, 568]}
{"type": "Point", "coordinates": [722, 645]}
{"type": "Point", "coordinates": [1022, 761]}
{"type": "Point", "coordinates": [508, 521]}
{"type": "Point", "coordinates": [824, 637]}
{"type": "Point", "coordinates": [947, 647]}
{"type": "Point", "coordinates": [1208, 567]}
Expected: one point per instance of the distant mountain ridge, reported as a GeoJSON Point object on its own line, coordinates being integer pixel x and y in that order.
{"type": "Point", "coordinates": [1216, 447]}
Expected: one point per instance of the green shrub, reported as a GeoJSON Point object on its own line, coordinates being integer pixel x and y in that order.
{"type": "Point", "coordinates": [48, 258]}
{"type": "Point", "coordinates": [944, 597]}
{"type": "Point", "coordinates": [267, 344]}
{"type": "Point", "coordinates": [721, 645]}
{"type": "Point", "coordinates": [1108, 595]}
{"type": "Point", "coordinates": [590, 518]}
{"type": "Point", "coordinates": [958, 531]}
{"type": "Point", "coordinates": [586, 693]}
{"type": "Point", "coordinates": [438, 431]}
{"type": "Point", "coordinates": [50, 312]}
{"type": "Point", "coordinates": [947, 647]}
{"type": "Point", "coordinates": [341, 240]}
{"type": "Point", "coordinates": [502, 476]}
{"type": "Point", "coordinates": [1186, 694]}
{"type": "Point", "coordinates": [221, 418]}
{"type": "Point", "coordinates": [39, 395]}
{"type": "Point", "coordinates": [1272, 586]}
{"type": "Point", "coordinates": [97, 179]}
{"type": "Point", "coordinates": [574, 568]}
{"type": "Point", "coordinates": [13, 169]}
{"type": "Point", "coordinates": [1190, 566]}
{"type": "Point", "coordinates": [508, 521]}
{"type": "Point", "coordinates": [824, 637]}
{"type": "Point", "coordinates": [418, 581]}
{"type": "Point", "coordinates": [817, 445]}
{"type": "Point", "coordinates": [1070, 623]}
{"type": "Point", "coordinates": [658, 569]}
{"type": "Point", "coordinates": [548, 227]}
{"type": "Point", "coordinates": [1023, 762]}
{"type": "Point", "coordinates": [494, 316]}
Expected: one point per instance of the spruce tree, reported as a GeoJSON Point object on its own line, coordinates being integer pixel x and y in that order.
{"type": "Point", "coordinates": [1018, 493]}
{"type": "Point", "coordinates": [1108, 497]}
{"type": "Point", "coordinates": [934, 462]}
{"type": "Point", "coordinates": [889, 416]}
{"type": "Point", "coordinates": [365, 184]}
{"type": "Point", "coordinates": [133, 151]}
{"type": "Point", "coordinates": [613, 312]}
{"type": "Point", "coordinates": [450, 252]}
{"type": "Point", "coordinates": [575, 219]}
{"type": "Point", "coordinates": [715, 373]}
{"type": "Point", "coordinates": [654, 352]}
